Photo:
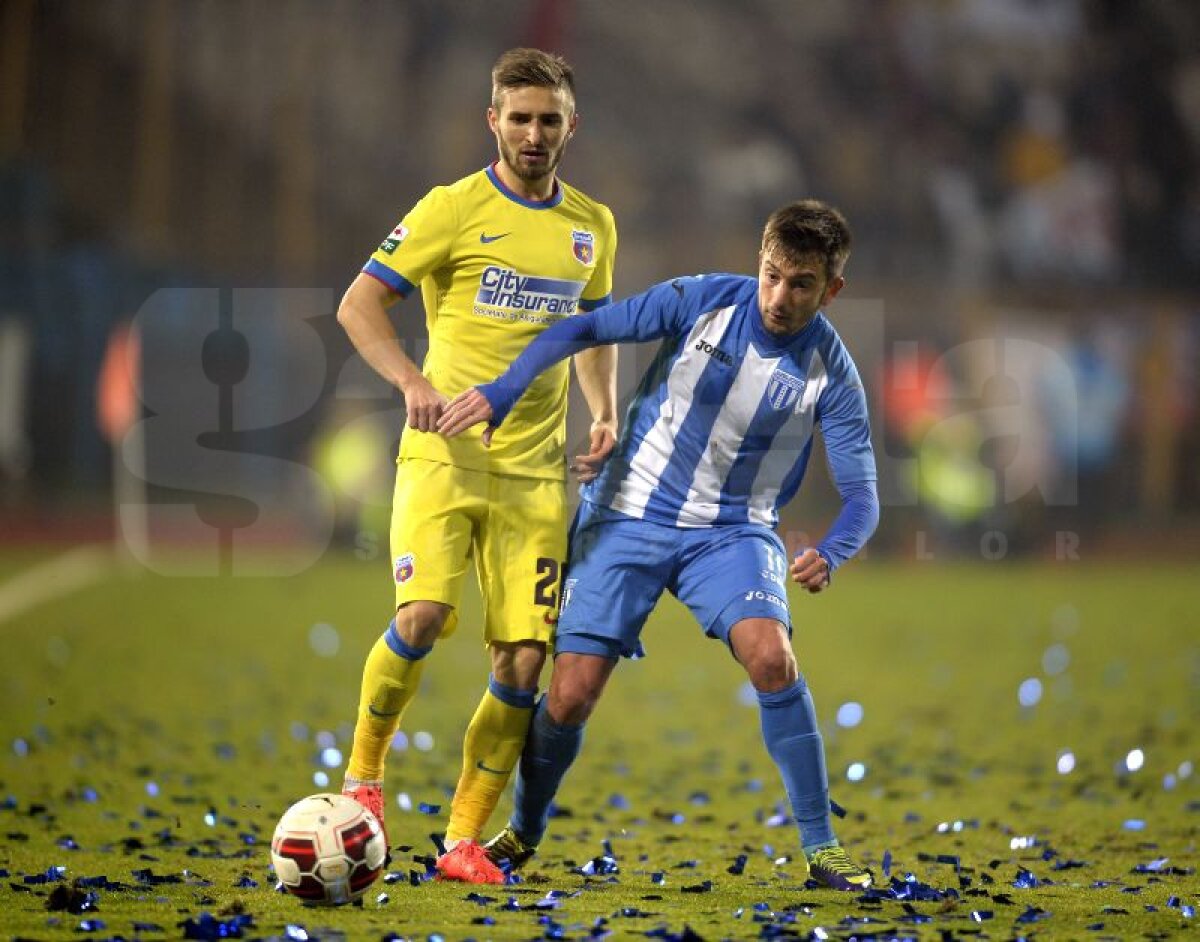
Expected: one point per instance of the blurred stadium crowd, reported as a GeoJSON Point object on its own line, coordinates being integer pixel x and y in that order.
{"type": "Point", "coordinates": [1022, 177]}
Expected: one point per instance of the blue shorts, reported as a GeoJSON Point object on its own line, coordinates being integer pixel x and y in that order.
{"type": "Point", "coordinates": [618, 567]}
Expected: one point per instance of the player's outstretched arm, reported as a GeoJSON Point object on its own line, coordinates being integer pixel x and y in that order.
{"type": "Point", "coordinates": [558, 342]}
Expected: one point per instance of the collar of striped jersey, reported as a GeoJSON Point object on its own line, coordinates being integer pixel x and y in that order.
{"type": "Point", "coordinates": [776, 342]}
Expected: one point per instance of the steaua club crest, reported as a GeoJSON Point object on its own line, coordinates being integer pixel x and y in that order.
{"type": "Point", "coordinates": [583, 244]}
{"type": "Point", "coordinates": [404, 568]}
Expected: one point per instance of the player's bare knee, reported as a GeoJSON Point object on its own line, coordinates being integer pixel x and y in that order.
{"type": "Point", "coordinates": [763, 648]}
{"type": "Point", "coordinates": [576, 687]}
{"type": "Point", "coordinates": [571, 706]}
{"type": "Point", "coordinates": [420, 624]}
{"type": "Point", "coordinates": [773, 672]}
{"type": "Point", "coordinates": [518, 664]}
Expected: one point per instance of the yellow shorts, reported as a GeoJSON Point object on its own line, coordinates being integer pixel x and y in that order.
{"type": "Point", "coordinates": [516, 528]}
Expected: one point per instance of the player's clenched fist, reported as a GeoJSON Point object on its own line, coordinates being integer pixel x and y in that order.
{"type": "Point", "coordinates": [811, 570]}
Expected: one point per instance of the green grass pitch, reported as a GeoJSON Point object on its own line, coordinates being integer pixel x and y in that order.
{"type": "Point", "coordinates": [154, 728]}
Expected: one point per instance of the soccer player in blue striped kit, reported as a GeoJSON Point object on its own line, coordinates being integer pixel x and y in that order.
{"type": "Point", "coordinates": [717, 439]}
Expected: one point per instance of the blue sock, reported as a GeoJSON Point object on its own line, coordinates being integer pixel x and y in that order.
{"type": "Point", "coordinates": [549, 751]}
{"type": "Point", "coordinates": [789, 728]}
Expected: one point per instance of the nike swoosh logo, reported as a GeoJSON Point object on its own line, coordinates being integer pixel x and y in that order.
{"type": "Point", "coordinates": [382, 713]}
{"type": "Point", "coordinates": [480, 765]}
{"type": "Point", "coordinates": [485, 238]}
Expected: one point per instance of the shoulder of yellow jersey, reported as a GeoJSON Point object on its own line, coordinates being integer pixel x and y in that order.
{"type": "Point", "coordinates": [578, 199]}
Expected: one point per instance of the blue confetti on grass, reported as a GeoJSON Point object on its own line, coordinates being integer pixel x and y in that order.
{"type": "Point", "coordinates": [208, 926]}
{"type": "Point", "coordinates": [598, 866]}
{"type": "Point", "coordinates": [51, 875]}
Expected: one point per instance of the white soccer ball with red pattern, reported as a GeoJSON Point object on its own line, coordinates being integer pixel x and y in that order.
{"type": "Point", "coordinates": [328, 849]}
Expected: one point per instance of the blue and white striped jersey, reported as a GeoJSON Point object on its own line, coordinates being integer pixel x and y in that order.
{"type": "Point", "coordinates": [721, 428]}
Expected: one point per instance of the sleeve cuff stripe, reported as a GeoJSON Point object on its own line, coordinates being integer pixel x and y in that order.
{"type": "Point", "coordinates": [397, 282]}
{"type": "Point", "coordinates": [591, 305]}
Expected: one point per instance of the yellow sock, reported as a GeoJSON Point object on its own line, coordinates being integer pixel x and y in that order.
{"type": "Point", "coordinates": [389, 683]}
{"type": "Point", "coordinates": [491, 749]}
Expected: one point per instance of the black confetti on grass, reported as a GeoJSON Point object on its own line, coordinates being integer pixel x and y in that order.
{"type": "Point", "coordinates": [72, 900]}
{"type": "Point", "coordinates": [149, 878]}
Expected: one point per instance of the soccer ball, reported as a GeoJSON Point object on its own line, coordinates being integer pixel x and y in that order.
{"type": "Point", "coordinates": [327, 849]}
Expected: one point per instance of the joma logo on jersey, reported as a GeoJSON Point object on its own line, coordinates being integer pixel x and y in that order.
{"type": "Point", "coordinates": [503, 287]}
{"type": "Point", "coordinates": [715, 352]}
{"type": "Point", "coordinates": [758, 595]}
{"type": "Point", "coordinates": [783, 390]}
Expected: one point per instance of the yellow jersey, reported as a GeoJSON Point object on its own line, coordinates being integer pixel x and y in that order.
{"type": "Point", "coordinates": [495, 270]}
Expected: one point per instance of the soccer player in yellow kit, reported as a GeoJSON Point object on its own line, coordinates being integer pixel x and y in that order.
{"type": "Point", "coordinates": [499, 255]}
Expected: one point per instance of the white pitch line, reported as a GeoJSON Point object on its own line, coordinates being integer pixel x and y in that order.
{"type": "Point", "coordinates": [74, 570]}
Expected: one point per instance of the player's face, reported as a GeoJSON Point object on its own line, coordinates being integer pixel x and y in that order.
{"type": "Point", "coordinates": [791, 293]}
{"type": "Point", "coordinates": [532, 128]}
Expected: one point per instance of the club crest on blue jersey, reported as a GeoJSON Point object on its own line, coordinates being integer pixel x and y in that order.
{"type": "Point", "coordinates": [783, 390]}
{"type": "Point", "coordinates": [583, 244]}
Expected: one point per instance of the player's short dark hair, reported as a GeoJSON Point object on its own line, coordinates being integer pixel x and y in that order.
{"type": "Point", "coordinates": [808, 227]}
{"type": "Point", "coordinates": [520, 67]}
